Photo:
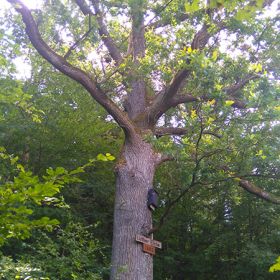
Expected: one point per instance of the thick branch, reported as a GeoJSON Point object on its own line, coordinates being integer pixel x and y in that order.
{"type": "Point", "coordinates": [75, 45]}
{"type": "Point", "coordinates": [201, 38]}
{"type": "Point", "coordinates": [84, 7]}
{"type": "Point", "coordinates": [251, 188]}
{"type": "Point", "coordinates": [179, 131]}
{"type": "Point", "coordinates": [162, 103]}
{"type": "Point", "coordinates": [162, 23]}
{"type": "Point", "coordinates": [239, 104]}
{"type": "Point", "coordinates": [244, 184]}
{"type": "Point", "coordinates": [163, 158]}
{"type": "Point", "coordinates": [184, 98]}
{"type": "Point", "coordinates": [162, 131]}
{"type": "Point", "coordinates": [213, 134]}
{"type": "Point", "coordinates": [269, 176]}
{"type": "Point", "coordinates": [71, 71]}
{"type": "Point", "coordinates": [104, 34]}
{"type": "Point", "coordinates": [231, 90]}
{"type": "Point", "coordinates": [102, 29]}
{"type": "Point", "coordinates": [136, 102]}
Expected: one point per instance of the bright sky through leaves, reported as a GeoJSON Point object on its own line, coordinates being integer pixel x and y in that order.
{"type": "Point", "coordinates": [24, 69]}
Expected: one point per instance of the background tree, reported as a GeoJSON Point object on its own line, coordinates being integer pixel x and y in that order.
{"type": "Point", "coordinates": [28, 202]}
{"type": "Point", "coordinates": [167, 76]}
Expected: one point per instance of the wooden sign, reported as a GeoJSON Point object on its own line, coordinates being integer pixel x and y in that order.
{"type": "Point", "coordinates": [148, 241]}
{"type": "Point", "coordinates": [150, 249]}
{"type": "Point", "coordinates": [142, 239]}
{"type": "Point", "coordinates": [156, 243]}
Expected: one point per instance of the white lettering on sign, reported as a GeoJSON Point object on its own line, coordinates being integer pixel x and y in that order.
{"type": "Point", "coordinates": [143, 239]}
{"type": "Point", "coordinates": [148, 241]}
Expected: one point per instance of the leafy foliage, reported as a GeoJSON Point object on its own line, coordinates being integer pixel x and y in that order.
{"type": "Point", "coordinates": [276, 266]}
{"type": "Point", "coordinates": [73, 254]}
{"type": "Point", "coordinates": [19, 196]}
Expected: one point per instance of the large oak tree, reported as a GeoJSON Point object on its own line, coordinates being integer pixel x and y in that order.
{"type": "Point", "coordinates": [160, 69]}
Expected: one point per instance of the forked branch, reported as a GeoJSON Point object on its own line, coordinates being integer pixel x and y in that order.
{"type": "Point", "coordinates": [102, 28]}
{"type": "Point", "coordinates": [167, 103]}
{"type": "Point", "coordinates": [164, 100]}
{"type": "Point", "coordinates": [71, 71]}
{"type": "Point", "coordinates": [105, 35]}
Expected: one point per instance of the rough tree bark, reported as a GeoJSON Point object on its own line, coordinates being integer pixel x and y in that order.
{"type": "Point", "coordinates": [135, 172]}
{"type": "Point", "coordinates": [137, 163]}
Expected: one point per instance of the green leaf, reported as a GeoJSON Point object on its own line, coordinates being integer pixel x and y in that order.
{"type": "Point", "coordinates": [276, 266]}
{"type": "Point", "coordinates": [101, 157]}
{"type": "Point", "coordinates": [229, 102]}
{"type": "Point", "coordinates": [193, 114]}
{"type": "Point", "coordinates": [192, 7]}
{"type": "Point", "coordinates": [110, 157]}
{"type": "Point", "coordinates": [215, 55]}
{"type": "Point", "coordinates": [258, 68]}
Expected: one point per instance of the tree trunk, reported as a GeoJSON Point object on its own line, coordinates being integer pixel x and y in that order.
{"type": "Point", "coordinates": [134, 177]}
